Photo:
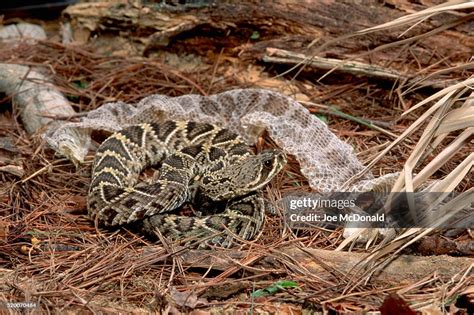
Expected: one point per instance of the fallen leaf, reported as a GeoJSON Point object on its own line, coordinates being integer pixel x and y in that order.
{"type": "Point", "coordinates": [395, 305]}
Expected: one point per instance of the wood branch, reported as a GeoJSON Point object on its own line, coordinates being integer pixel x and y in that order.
{"type": "Point", "coordinates": [402, 270]}
{"type": "Point", "coordinates": [280, 56]}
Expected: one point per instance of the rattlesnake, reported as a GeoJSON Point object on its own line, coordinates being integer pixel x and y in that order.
{"type": "Point", "coordinates": [200, 163]}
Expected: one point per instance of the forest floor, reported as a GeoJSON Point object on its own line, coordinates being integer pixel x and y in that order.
{"type": "Point", "coordinates": [52, 255]}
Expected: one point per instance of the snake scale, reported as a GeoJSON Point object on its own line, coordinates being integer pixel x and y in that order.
{"type": "Point", "coordinates": [199, 163]}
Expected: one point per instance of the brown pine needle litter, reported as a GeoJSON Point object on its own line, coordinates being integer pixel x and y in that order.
{"type": "Point", "coordinates": [51, 253]}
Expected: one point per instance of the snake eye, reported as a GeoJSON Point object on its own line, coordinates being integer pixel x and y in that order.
{"type": "Point", "coordinates": [268, 163]}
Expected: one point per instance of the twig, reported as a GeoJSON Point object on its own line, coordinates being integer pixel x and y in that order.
{"type": "Point", "coordinates": [369, 124]}
{"type": "Point", "coordinates": [280, 56]}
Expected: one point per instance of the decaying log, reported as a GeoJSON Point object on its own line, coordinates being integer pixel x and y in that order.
{"type": "Point", "coordinates": [328, 264]}
{"type": "Point", "coordinates": [284, 24]}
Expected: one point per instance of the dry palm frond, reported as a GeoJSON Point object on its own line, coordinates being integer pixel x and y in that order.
{"type": "Point", "coordinates": [421, 16]}
{"type": "Point", "coordinates": [441, 119]}
{"type": "Point", "coordinates": [448, 128]}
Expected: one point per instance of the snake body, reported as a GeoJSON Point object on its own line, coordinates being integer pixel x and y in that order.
{"type": "Point", "coordinates": [199, 163]}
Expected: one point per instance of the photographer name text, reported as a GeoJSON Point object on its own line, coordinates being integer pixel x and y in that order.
{"type": "Point", "coordinates": [346, 217]}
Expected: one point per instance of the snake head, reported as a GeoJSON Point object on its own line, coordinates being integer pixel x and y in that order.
{"type": "Point", "coordinates": [245, 175]}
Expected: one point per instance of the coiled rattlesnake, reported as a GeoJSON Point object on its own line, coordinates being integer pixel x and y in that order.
{"type": "Point", "coordinates": [200, 163]}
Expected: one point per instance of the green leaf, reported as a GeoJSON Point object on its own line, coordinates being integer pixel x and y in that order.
{"type": "Point", "coordinates": [255, 35]}
{"type": "Point", "coordinates": [73, 98]}
{"type": "Point", "coordinates": [82, 84]}
{"type": "Point", "coordinates": [274, 288]}
{"type": "Point", "coordinates": [323, 118]}
{"type": "Point", "coordinates": [287, 284]}
{"type": "Point", "coordinates": [259, 293]}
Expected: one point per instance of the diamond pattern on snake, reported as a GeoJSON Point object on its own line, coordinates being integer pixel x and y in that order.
{"type": "Point", "coordinates": [200, 163]}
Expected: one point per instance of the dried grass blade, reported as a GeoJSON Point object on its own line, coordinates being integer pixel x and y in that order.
{"type": "Point", "coordinates": [457, 119]}
{"type": "Point", "coordinates": [443, 92]}
{"type": "Point", "coordinates": [443, 157]}
{"type": "Point", "coordinates": [422, 15]}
